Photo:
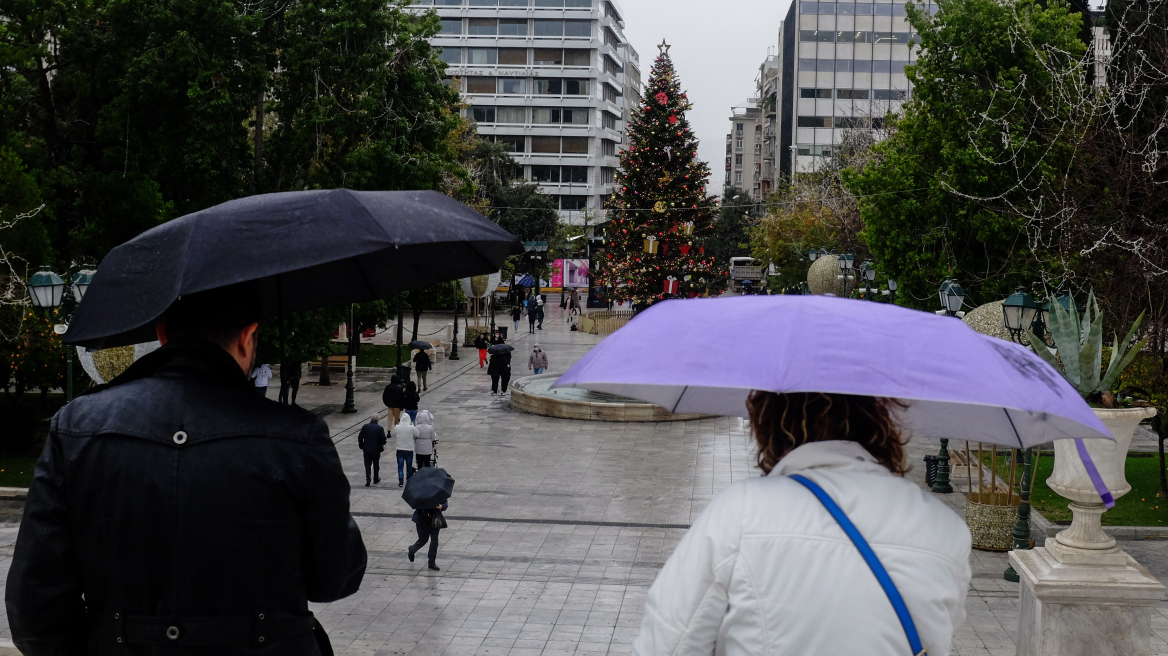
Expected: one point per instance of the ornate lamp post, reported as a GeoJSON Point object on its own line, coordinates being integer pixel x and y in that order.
{"type": "Point", "coordinates": [48, 291]}
{"type": "Point", "coordinates": [1019, 312]}
{"type": "Point", "coordinates": [891, 291]}
{"type": "Point", "coordinates": [951, 296]}
{"type": "Point", "coordinates": [812, 254]}
{"type": "Point", "coordinates": [846, 261]}
{"type": "Point", "coordinates": [868, 273]}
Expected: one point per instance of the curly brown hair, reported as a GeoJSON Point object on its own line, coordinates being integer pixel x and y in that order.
{"type": "Point", "coordinates": [781, 422]}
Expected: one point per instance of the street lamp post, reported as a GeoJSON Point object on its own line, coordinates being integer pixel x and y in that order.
{"type": "Point", "coordinates": [891, 291]}
{"type": "Point", "coordinates": [350, 406]}
{"type": "Point", "coordinates": [846, 262]}
{"type": "Point", "coordinates": [1022, 528]}
{"type": "Point", "coordinates": [454, 342]}
{"type": "Point", "coordinates": [47, 291]}
{"type": "Point", "coordinates": [869, 274]}
{"type": "Point", "coordinates": [1019, 312]}
{"type": "Point", "coordinates": [951, 296]}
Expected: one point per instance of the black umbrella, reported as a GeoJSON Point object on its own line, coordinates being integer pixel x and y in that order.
{"type": "Point", "coordinates": [500, 348]}
{"type": "Point", "coordinates": [309, 249]}
{"type": "Point", "coordinates": [420, 345]}
{"type": "Point", "coordinates": [428, 488]}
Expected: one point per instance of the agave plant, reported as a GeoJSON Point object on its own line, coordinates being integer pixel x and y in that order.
{"type": "Point", "coordinates": [1078, 351]}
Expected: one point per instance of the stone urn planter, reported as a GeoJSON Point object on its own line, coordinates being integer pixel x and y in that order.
{"type": "Point", "coordinates": [1070, 480]}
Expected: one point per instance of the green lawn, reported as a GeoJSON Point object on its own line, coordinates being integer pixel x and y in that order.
{"type": "Point", "coordinates": [16, 472]}
{"type": "Point", "coordinates": [1140, 507]}
{"type": "Point", "coordinates": [370, 355]}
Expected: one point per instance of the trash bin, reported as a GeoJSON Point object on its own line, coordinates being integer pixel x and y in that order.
{"type": "Point", "coordinates": [931, 465]}
{"type": "Point", "coordinates": [502, 331]}
{"type": "Point", "coordinates": [403, 373]}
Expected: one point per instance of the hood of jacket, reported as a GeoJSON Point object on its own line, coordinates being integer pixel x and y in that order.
{"type": "Point", "coordinates": [424, 417]}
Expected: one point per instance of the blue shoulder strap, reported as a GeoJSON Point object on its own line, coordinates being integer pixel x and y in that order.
{"type": "Point", "coordinates": [846, 524]}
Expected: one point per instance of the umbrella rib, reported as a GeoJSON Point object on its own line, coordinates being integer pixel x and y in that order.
{"type": "Point", "coordinates": [679, 398]}
{"type": "Point", "coordinates": [1015, 428]}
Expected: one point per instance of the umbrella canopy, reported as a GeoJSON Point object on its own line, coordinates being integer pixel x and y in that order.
{"type": "Point", "coordinates": [309, 249]}
{"type": "Point", "coordinates": [959, 384]}
{"type": "Point", "coordinates": [500, 348]}
{"type": "Point", "coordinates": [428, 488]}
{"type": "Point", "coordinates": [526, 281]}
{"type": "Point", "coordinates": [421, 346]}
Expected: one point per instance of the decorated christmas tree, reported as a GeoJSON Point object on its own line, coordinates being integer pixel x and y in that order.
{"type": "Point", "coordinates": [660, 213]}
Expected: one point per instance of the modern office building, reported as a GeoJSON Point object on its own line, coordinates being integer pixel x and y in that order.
{"type": "Point", "coordinates": [551, 79]}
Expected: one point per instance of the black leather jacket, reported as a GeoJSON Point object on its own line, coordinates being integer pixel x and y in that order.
{"type": "Point", "coordinates": [177, 498]}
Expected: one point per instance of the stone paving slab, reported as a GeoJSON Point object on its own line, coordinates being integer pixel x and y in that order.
{"type": "Point", "coordinates": [514, 584]}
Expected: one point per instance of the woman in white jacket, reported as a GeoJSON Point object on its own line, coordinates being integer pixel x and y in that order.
{"type": "Point", "coordinates": [766, 569]}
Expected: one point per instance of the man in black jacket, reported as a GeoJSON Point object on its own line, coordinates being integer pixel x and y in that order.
{"type": "Point", "coordinates": [394, 398]}
{"type": "Point", "coordinates": [371, 440]}
{"type": "Point", "coordinates": [175, 508]}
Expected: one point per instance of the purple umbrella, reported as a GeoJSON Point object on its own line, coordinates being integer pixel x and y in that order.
{"type": "Point", "coordinates": [959, 384]}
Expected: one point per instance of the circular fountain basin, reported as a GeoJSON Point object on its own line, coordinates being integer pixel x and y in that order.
{"type": "Point", "coordinates": [534, 394]}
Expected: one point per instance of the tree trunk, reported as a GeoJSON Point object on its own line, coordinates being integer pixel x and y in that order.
{"type": "Point", "coordinates": [259, 140]}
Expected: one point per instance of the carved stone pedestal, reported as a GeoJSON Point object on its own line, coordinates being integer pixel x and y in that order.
{"type": "Point", "coordinates": [1083, 602]}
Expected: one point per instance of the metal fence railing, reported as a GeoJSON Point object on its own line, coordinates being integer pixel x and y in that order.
{"type": "Point", "coordinates": [604, 322]}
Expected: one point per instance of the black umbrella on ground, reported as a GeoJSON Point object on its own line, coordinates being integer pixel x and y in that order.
{"type": "Point", "coordinates": [308, 249]}
{"type": "Point", "coordinates": [500, 348]}
{"type": "Point", "coordinates": [421, 346]}
{"type": "Point", "coordinates": [428, 488]}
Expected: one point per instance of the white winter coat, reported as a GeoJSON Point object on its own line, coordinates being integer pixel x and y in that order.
{"type": "Point", "coordinates": [766, 570]}
{"type": "Point", "coordinates": [403, 435]}
{"type": "Point", "coordinates": [424, 440]}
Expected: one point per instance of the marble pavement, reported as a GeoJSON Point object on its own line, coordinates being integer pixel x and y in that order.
{"type": "Point", "coordinates": [558, 527]}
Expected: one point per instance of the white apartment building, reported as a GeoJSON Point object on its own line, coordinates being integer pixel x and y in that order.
{"type": "Point", "coordinates": [847, 73]}
{"type": "Point", "coordinates": [554, 80]}
{"type": "Point", "coordinates": [752, 143]}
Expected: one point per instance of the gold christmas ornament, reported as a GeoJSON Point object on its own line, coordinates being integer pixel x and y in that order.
{"type": "Point", "coordinates": [659, 207]}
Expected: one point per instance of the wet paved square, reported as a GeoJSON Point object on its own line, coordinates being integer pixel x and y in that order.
{"type": "Point", "coordinates": [558, 527]}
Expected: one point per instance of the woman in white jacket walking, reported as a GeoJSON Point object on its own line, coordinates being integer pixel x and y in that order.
{"type": "Point", "coordinates": [425, 439]}
{"type": "Point", "coordinates": [766, 569]}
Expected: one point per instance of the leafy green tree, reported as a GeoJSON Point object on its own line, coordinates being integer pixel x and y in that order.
{"type": "Point", "coordinates": [978, 146]}
{"type": "Point", "coordinates": [737, 215]}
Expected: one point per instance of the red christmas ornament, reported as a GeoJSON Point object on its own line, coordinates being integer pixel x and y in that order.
{"type": "Point", "coordinates": [684, 248]}
{"type": "Point", "coordinates": [661, 98]}
{"type": "Point", "coordinates": [672, 119]}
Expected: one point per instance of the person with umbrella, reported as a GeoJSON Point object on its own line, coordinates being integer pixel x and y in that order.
{"type": "Point", "coordinates": [428, 494]}
{"type": "Point", "coordinates": [422, 363]}
{"type": "Point", "coordinates": [500, 367]}
{"type": "Point", "coordinates": [394, 398]}
{"type": "Point", "coordinates": [538, 360]}
{"type": "Point", "coordinates": [371, 440]}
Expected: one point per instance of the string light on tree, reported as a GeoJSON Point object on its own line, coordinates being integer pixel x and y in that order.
{"type": "Point", "coordinates": [661, 215]}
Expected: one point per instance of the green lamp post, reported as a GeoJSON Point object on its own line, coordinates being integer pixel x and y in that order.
{"type": "Point", "coordinates": [952, 297]}
{"type": "Point", "coordinates": [47, 291]}
{"type": "Point", "coordinates": [1022, 528]}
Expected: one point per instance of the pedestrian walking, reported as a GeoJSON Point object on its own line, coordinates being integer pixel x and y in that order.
{"type": "Point", "coordinates": [516, 315]}
{"type": "Point", "coordinates": [403, 436]}
{"type": "Point", "coordinates": [411, 400]}
{"type": "Point", "coordinates": [497, 338]}
{"type": "Point", "coordinates": [262, 375]}
{"type": "Point", "coordinates": [575, 301]}
{"type": "Point", "coordinates": [531, 316]}
{"type": "Point", "coordinates": [422, 365]}
{"type": "Point", "coordinates": [539, 312]}
{"type": "Point", "coordinates": [748, 580]}
{"type": "Point", "coordinates": [394, 398]}
{"type": "Point", "coordinates": [424, 442]}
{"type": "Point", "coordinates": [117, 548]}
{"type": "Point", "coordinates": [481, 344]}
{"type": "Point", "coordinates": [499, 370]}
{"type": "Point", "coordinates": [371, 440]}
{"type": "Point", "coordinates": [289, 383]}
{"type": "Point", "coordinates": [429, 521]}
{"type": "Point", "coordinates": [538, 361]}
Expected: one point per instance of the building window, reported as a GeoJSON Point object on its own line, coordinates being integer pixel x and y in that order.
{"type": "Point", "coordinates": [549, 86]}
{"type": "Point", "coordinates": [513, 86]}
{"type": "Point", "coordinates": [578, 4]}
{"type": "Point", "coordinates": [610, 66]}
{"type": "Point", "coordinates": [610, 38]}
{"type": "Point", "coordinates": [549, 57]}
{"type": "Point", "coordinates": [757, 149]}
{"type": "Point", "coordinates": [575, 115]}
{"type": "Point", "coordinates": [610, 93]}
{"type": "Point", "coordinates": [482, 56]}
{"type": "Point", "coordinates": [543, 115]}
{"type": "Point", "coordinates": [575, 87]}
{"type": "Point", "coordinates": [483, 26]}
{"type": "Point", "coordinates": [513, 56]}
{"type": "Point", "coordinates": [512, 144]}
{"type": "Point", "coordinates": [851, 122]}
{"type": "Point", "coordinates": [545, 144]}
{"type": "Point", "coordinates": [738, 160]}
{"type": "Point", "coordinates": [813, 122]}
{"type": "Point", "coordinates": [609, 120]}
{"type": "Point", "coordinates": [451, 55]}
{"type": "Point", "coordinates": [578, 28]}
{"type": "Point", "coordinates": [480, 85]}
{"type": "Point", "coordinates": [738, 178]}
{"type": "Point", "coordinates": [512, 3]}
{"type": "Point", "coordinates": [575, 145]}
{"type": "Point", "coordinates": [815, 93]}
{"type": "Point", "coordinates": [513, 115]}
{"type": "Point", "coordinates": [577, 57]}
{"type": "Point", "coordinates": [825, 65]}
{"type": "Point", "coordinates": [549, 3]}
{"type": "Point", "coordinates": [513, 27]}
{"type": "Point", "coordinates": [822, 36]}
{"type": "Point", "coordinates": [484, 3]}
{"type": "Point", "coordinates": [807, 64]}
{"type": "Point", "coordinates": [607, 148]}
{"type": "Point", "coordinates": [852, 94]}
{"type": "Point", "coordinates": [483, 113]}
{"type": "Point", "coordinates": [607, 175]}
{"type": "Point", "coordinates": [738, 128]}
{"type": "Point", "coordinates": [889, 94]}
{"type": "Point", "coordinates": [544, 27]}
{"type": "Point", "coordinates": [545, 173]}
{"type": "Point", "coordinates": [738, 144]}
{"type": "Point", "coordinates": [448, 3]}
{"type": "Point", "coordinates": [451, 26]}
{"type": "Point", "coordinates": [573, 203]}
{"type": "Point", "coordinates": [574, 174]}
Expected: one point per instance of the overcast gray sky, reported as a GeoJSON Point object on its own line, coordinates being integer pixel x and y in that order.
{"type": "Point", "coordinates": [716, 48]}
